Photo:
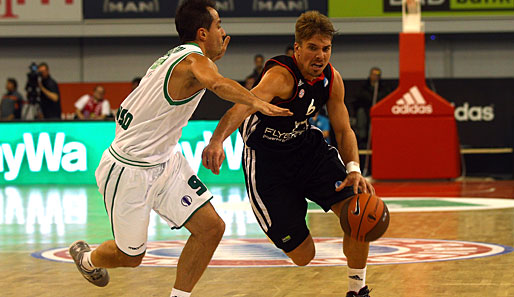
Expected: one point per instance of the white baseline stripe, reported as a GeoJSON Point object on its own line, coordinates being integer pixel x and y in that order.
{"type": "Point", "coordinates": [484, 204]}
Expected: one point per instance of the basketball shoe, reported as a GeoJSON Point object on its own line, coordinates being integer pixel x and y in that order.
{"type": "Point", "coordinates": [98, 276]}
{"type": "Point", "coordinates": [364, 292]}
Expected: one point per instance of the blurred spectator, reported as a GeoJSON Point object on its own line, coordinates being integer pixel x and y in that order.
{"type": "Point", "coordinates": [289, 51]}
{"type": "Point", "coordinates": [258, 61]}
{"type": "Point", "coordinates": [50, 97]}
{"type": "Point", "coordinates": [363, 102]}
{"type": "Point", "coordinates": [323, 123]}
{"type": "Point", "coordinates": [94, 107]}
{"type": "Point", "coordinates": [11, 102]}
{"type": "Point", "coordinates": [135, 82]}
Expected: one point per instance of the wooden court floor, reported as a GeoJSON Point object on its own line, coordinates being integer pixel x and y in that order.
{"type": "Point", "coordinates": [26, 228]}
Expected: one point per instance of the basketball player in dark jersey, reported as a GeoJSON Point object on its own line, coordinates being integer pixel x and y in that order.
{"type": "Point", "coordinates": [286, 159]}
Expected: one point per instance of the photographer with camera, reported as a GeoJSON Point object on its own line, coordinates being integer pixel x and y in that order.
{"type": "Point", "coordinates": [50, 102]}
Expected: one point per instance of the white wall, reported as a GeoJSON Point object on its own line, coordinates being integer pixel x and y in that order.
{"type": "Point", "coordinates": [121, 59]}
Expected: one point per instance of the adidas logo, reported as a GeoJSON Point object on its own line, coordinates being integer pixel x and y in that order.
{"type": "Point", "coordinates": [355, 277]}
{"type": "Point", "coordinates": [412, 102]}
{"type": "Point", "coordinates": [300, 83]}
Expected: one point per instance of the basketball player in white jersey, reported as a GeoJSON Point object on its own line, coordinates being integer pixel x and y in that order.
{"type": "Point", "coordinates": [139, 171]}
{"type": "Point", "coordinates": [286, 159]}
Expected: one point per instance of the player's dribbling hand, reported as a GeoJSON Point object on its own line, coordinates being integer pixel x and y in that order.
{"type": "Point", "coordinates": [213, 156]}
{"type": "Point", "coordinates": [271, 110]}
{"type": "Point", "coordinates": [359, 182]}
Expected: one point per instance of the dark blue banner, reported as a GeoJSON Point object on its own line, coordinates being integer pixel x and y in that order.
{"type": "Point", "coordinates": [122, 9]}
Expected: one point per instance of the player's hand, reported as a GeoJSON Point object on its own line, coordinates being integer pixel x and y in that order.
{"type": "Point", "coordinates": [223, 49]}
{"type": "Point", "coordinates": [270, 109]}
{"type": "Point", "coordinates": [213, 156]}
{"type": "Point", "coordinates": [359, 182]}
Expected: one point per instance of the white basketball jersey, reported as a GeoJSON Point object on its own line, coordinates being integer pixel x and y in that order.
{"type": "Point", "coordinates": [149, 122]}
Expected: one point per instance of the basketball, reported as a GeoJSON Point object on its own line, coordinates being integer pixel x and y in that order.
{"type": "Point", "coordinates": [364, 217]}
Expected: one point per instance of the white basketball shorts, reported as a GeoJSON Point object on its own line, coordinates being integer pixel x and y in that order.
{"type": "Point", "coordinates": [171, 189]}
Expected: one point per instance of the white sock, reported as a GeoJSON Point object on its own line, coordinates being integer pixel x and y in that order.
{"type": "Point", "coordinates": [86, 261]}
{"type": "Point", "coordinates": [178, 293]}
{"type": "Point", "coordinates": [356, 279]}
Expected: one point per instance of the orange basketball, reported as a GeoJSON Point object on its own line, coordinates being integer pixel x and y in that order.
{"type": "Point", "coordinates": [364, 217]}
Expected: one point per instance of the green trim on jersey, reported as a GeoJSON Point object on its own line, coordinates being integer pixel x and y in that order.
{"type": "Point", "coordinates": [168, 74]}
{"type": "Point", "coordinates": [106, 182]}
{"type": "Point", "coordinates": [191, 215]}
{"type": "Point", "coordinates": [127, 161]}
{"type": "Point", "coordinates": [112, 202]}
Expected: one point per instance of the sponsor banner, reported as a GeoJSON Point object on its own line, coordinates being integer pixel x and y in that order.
{"type": "Point", "coordinates": [69, 152]}
{"type": "Point", "coordinates": [40, 10]}
{"type": "Point", "coordinates": [108, 9]}
{"type": "Point", "coordinates": [483, 108]}
{"type": "Point", "coordinates": [451, 8]}
{"type": "Point", "coordinates": [262, 253]}
{"type": "Point", "coordinates": [112, 9]}
{"type": "Point", "coordinates": [412, 102]}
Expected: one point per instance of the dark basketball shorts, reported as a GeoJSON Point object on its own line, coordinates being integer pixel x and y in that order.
{"type": "Point", "coordinates": [279, 184]}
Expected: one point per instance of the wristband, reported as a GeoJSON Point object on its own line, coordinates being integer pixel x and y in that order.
{"type": "Point", "coordinates": [352, 167]}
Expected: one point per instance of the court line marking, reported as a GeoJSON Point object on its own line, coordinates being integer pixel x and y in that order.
{"type": "Point", "coordinates": [259, 252]}
{"type": "Point", "coordinates": [481, 204]}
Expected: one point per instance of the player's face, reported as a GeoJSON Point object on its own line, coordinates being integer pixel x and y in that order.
{"type": "Point", "coordinates": [313, 55]}
{"type": "Point", "coordinates": [216, 34]}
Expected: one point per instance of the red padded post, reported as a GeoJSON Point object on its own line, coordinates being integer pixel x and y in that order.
{"type": "Point", "coordinates": [414, 132]}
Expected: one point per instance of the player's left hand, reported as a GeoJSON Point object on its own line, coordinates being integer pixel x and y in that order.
{"type": "Point", "coordinates": [359, 182]}
{"type": "Point", "coordinates": [223, 49]}
{"type": "Point", "coordinates": [213, 156]}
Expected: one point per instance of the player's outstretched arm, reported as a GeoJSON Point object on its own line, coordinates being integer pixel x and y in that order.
{"type": "Point", "coordinates": [277, 82]}
{"type": "Point", "coordinates": [206, 72]}
{"type": "Point", "coordinates": [346, 140]}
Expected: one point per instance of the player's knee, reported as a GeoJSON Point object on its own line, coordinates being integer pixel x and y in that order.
{"type": "Point", "coordinates": [303, 254]}
{"type": "Point", "coordinates": [303, 260]}
{"type": "Point", "coordinates": [213, 232]}
{"type": "Point", "coordinates": [217, 230]}
{"type": "Point", "coordinates": [129, 261]}
{"type": "Point", "coordinates": [134, 261]}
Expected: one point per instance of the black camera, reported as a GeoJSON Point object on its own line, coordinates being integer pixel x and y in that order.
{"type": "Point", "coordinates": [32, 86]}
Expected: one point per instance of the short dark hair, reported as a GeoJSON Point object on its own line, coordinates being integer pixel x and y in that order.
{"type": "Point", "coordinates": [258, 56]}
{"type": "Point", "coordinates": [191, 16]}
{"type": "Point", "coordinates": [14, 82]}
{"type": "Point", "coordinates": [375, 68]}
{"type": "Point", "coordinates": [43, 64]}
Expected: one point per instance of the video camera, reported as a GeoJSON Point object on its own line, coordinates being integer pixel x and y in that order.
{"type": "Point", "coordinates": [32, 86]}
